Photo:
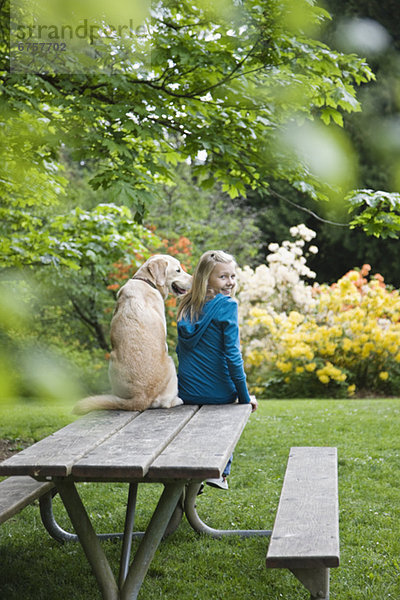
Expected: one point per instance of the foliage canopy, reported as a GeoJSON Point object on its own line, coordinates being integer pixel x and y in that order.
{"type": "Point", "coordinates": [214, 84]}
{"type": "Point", "coordinates": [230, 88]}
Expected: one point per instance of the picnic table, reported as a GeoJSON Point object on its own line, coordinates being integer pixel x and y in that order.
{"type": "Point", "coordinates": [178, 447]}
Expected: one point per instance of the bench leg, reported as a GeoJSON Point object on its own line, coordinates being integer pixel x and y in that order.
{"type": "Point", "coordinates": [316, 581]}
{"type": "Point", "coordinates": [199, 526]}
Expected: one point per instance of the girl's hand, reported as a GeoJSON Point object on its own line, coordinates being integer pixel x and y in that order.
{"type": "Point", "coordinates": [254, 403]}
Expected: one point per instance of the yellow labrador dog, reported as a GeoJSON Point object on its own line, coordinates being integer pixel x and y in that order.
{"type": "Point", "coordinates": [141, 373]}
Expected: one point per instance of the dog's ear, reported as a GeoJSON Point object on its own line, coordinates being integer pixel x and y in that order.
{"type": "Point", "coordinates": [158, 270]}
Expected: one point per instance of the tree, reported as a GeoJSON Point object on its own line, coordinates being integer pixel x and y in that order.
{"type": "Point", "coordinates": [373, 134]}
{"type": "Point", "coordinates": [209, 218]}
{"type": "Point", "coordinates": [223, 81]}
{"type": "Point", "coordinates": [91, 244]}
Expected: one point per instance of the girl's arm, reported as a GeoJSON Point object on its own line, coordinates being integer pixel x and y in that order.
{"type": "Point", "coordinates": [231, 340]}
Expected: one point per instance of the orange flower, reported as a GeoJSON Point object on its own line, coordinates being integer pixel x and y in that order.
{"type": "Point", "coordinates": [360, 283]}
{"type": "Point", "coordinates": [184, 242]}
{"type": "Point", "coordinates": [365, 269]}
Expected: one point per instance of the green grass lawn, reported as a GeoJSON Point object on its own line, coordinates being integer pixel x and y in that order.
{"type": "Point", "coordinates": [188, 566]}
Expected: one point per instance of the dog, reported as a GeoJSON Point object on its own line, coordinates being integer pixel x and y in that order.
{"type": "Point", "coordinates": [141, 373]}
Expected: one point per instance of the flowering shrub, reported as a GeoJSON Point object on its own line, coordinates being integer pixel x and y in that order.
{"type": "Point", "coordinates": [301, 340]}
{"type": "Point", "coordinates": [279, 286]}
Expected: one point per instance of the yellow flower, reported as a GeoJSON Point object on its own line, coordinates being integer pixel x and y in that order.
{"type": "Point", "coordinates": [329, 348]}
{"type": "Point", "coordinates": [367, 349]}
{"type": "Point", "coordinates": [257, 391]}
{"type": "Point", "coordinates": [384, 375]}
{"type": "Point", "coordinates": [323, 378]}
{"type": "Point", "coordinates": [255, 358]}
{"type": "Point", "coordinates": [347, 344]}
{"type": "Point", "coordinates": [299, 369]}
{"type": "Point", "coordinates": [310, 367]}
{"type": "Point", "coordinates": [308, 354]}
{"type": "Point", "coordinates": [283, 366]}
{"type": "Point", "coordinates": [353, 275]}
{"type": "Point", "coordinates": [295, 317]}
{"type": "Point", "coordinates": [356, 326]}
{"type": "Point", "coordinates": [351, 389]}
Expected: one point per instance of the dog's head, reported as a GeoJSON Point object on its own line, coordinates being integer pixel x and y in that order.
{"type": "Point", "coordinates": [166, 273]}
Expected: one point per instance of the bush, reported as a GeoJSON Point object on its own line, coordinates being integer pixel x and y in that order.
{"type": "Point", "coordinates": [301, 340]}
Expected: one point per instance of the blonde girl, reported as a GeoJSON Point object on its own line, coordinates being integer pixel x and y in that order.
{"type": "Point", "coordinates": [210, 361]}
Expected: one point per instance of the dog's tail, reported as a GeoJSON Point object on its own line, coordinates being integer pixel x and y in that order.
{"type": "Point", "coordinates": [107, 402]}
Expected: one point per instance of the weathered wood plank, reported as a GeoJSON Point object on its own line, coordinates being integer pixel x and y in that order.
{"type": "Point", "coordinates": [306, 530]}
{"type": "Point", "coordinates": [204, 445]}
{"type": "Point", "coordinates": [55, 455]}
{"type": "Point", "coordinates": [129, 453]}
{"type": "Point", "coordinates": [18, 492]}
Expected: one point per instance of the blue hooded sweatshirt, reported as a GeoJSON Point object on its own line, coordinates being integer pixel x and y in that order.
{"type": "Point", "coordinates": [210, 362]}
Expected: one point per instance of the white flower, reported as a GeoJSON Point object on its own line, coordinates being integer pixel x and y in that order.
{"type": "Point", "coordinates": [275, 288]}
{"type": "Point", "coordinates": [313, 249]}
{"type": "Point", "coordinates": [303, 232]}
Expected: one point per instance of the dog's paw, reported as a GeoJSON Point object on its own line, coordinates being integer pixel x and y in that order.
{"type": "Point", "coordinates": [176, 401]}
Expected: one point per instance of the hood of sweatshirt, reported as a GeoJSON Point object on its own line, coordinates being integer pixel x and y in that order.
{"type": "Point", "coordinates": [191, 332]}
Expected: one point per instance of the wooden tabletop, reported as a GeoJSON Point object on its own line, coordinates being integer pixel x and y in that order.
{"type": "Point", "coordinates": [185, 442]}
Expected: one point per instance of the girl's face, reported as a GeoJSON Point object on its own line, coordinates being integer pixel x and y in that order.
{"type": "Point", "coordinates": [222, 280]}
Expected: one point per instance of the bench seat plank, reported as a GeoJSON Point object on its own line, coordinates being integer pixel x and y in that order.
{"type": "Point", "coordinates": [306, 530]}
{"type": "Point", "coordinates": [130, 452]}
{"type": "Point", "coordinates": [56, 454]}
{"type": "Point", "coordinates": [201, 451]}
{"type": "Point", "coordinates": [18, 492]}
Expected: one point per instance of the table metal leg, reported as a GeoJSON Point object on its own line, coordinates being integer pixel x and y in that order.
{"type": "Point", "coordinates": [89, 540]}
{"type": "Point", "coordinates": [127, 539]}
{"type": "Point", "coordinates": [50, 523]}
{"type": "Point", "coordinates": [60, 534]}
{"type": "Point", "coordinates": [151, 540]}
{"type": "Point", "coordinates": [199, 526]}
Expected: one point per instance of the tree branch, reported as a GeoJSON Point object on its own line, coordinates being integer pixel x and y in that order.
{"type": "Point", "coordinates": [93, 325]}
{"type": "Point", "coordinates": [307, 210]}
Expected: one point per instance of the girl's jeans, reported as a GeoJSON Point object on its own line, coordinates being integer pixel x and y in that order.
{"type": "Point", "coordinates": [227, 469]}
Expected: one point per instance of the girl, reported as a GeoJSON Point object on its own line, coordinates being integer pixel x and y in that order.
{"type": "Point", "coordinates": [210, 362]}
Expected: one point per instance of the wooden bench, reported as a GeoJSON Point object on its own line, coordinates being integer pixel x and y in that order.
{"type": "Point", "coordinates": [18, 492]}
{"type": "Point", "coordinates": [305, 537]}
